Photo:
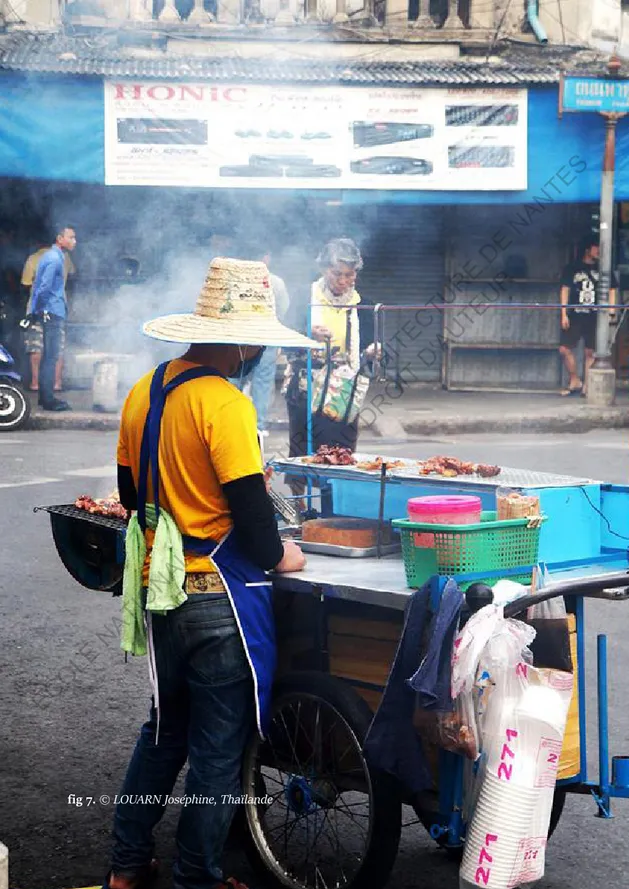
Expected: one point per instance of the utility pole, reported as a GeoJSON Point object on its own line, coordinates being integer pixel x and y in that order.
{"type": "Point", "coordinates": [601, 385]}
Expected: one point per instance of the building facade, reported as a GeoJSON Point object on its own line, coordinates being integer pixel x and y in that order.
{"type": "Point", "coordinates": [427, 131]}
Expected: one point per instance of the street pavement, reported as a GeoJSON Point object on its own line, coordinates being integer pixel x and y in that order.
{"type": "Point", "coordinates": [70, 707]}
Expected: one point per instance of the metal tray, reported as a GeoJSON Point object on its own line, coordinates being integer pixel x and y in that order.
{"type": "Point", "coordinates": [348, 552]}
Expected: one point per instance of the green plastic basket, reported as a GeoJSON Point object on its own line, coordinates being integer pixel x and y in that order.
{"type": "Point", "coordinates": [455, 550]}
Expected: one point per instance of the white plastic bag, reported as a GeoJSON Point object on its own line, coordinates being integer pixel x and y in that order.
{"type": "Point", "coordinates": [551, 609]}
{"type": "Point", "coordinates": [475, 656]}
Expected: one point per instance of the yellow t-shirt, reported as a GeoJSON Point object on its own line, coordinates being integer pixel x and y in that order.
{"type": "Point", "coordinates": [208, 438]}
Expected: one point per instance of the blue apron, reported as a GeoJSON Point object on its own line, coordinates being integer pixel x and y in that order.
{"type": "Point", "coordinates": [247, 585]}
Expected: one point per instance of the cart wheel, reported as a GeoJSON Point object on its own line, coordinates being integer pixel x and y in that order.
{"type": "Point", "coordinates": [321, 816]}
{"type": "Point", "coordinates": [429, 816]}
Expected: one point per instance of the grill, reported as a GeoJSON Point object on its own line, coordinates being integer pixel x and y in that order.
{"type": "Point", "coordinates": [90, 546]}
{"type": "Point", "coordinates": [509, 477]}
{"type": "Point", "coordinates": [72, 511]}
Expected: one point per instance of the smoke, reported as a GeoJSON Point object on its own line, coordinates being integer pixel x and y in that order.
{"type": "Point", "coordinates": [159, 245]}
{"type": "Point", "coordinates": [144, 252]}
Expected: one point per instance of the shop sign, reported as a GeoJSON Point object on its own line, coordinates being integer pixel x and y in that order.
{"type": "Point", "coordinates": [594, 94]}
{"type": "Point", "coordinates": [200, 135]}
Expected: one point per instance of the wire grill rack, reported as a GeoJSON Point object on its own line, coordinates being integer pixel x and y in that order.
{"type": "Point", "coordinates": [73, 512]}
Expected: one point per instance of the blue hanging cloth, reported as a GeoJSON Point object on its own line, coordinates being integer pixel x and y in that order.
{"type": "Point", "coordinates": [392, 743]}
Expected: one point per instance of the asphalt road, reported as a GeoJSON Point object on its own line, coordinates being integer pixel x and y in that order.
{"type": "Point", "coordinates": [70, 706]}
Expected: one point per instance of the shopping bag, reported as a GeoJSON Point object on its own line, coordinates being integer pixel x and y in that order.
{"type": "Point", "coordinates": [338, 392]}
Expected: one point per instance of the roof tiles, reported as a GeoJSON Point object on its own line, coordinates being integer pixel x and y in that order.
{"type": "Point", "coordinates": [102, 56]}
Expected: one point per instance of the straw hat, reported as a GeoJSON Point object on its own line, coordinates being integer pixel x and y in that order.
{"type": "Point", "coordinates": [236, 306]}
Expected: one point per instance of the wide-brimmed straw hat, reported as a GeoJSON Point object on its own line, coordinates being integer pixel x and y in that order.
{"type": "Point", "coordinates": [236, 306]}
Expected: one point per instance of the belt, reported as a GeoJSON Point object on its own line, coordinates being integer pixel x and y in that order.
{"type": "Point", "coordinates": [204, 583]}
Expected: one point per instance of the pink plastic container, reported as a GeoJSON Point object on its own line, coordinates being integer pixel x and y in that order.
{"type": "Point", "coordinates": [443, 510]}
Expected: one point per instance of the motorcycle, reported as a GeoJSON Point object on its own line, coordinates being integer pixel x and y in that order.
{"type": "Point", "coordinates": [15, 406]}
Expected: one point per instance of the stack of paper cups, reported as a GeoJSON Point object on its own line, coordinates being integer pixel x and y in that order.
{"type": "Point", "coordinates": [499, 849]}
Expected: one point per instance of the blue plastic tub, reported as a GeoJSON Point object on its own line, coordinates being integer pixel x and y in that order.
{"type": "Point", "coordinates": [361, 499]}
{"type": "Point", "coordinates": [572, 530]}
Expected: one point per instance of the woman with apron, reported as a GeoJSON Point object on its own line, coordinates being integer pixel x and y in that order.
{"type": "Point", "coordinates": [196, 596]}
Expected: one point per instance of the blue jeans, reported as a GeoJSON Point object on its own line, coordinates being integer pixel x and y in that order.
{"type": "Point", "coordinates": [206, 716]}
{"type": "Point", "coordinates": [262, 381]}
{"type": "Point", "coordinates": [53, 344]}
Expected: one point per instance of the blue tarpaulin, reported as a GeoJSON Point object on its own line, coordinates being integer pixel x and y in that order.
{"type": "Point", "coordinates": [53, 128]}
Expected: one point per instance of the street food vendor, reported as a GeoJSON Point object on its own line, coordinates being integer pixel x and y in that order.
{"type": "Point", "coordinates": [335, 321]}
{"type": "Point", "coordinates": [196, 596]}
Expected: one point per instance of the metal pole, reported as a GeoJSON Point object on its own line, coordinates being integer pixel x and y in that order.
{"type": "Point", "coordinates": [603, 728]}
{"type": "Point", "coordinates": [603, 352]}
{"type": "Point", "coordinates": [601, 380]}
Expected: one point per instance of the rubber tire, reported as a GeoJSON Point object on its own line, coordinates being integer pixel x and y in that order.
{"type": "Point", "coordinates": [456, 852]}
{"type": "Point", "coordinates": [382, 851]}
{"type": "Point", "coordinates": [17, 391]}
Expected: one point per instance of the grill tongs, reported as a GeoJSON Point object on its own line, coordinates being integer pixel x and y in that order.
{"type": "Point", "coordinates": [285, 508]}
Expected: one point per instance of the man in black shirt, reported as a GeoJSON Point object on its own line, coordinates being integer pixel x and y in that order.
{"type": "Point", "coordinates": [579, 282]}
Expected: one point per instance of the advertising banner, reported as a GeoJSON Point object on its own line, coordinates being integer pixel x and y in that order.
{"type": "Point", "coordinates": [208, 135]}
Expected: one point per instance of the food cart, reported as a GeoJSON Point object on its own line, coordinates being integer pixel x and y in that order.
{"type": "Point", "coordinates": [317, 814]}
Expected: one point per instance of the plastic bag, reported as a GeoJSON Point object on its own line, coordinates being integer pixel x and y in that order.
{"type": "Point", "coordinates": [487, 644]}
{"type": "Point", "coordinates": [520, 715]}
{"type": "Point", "coordinates": [550, 621]}
{"type": "Point", "coordinates": [455, 729]}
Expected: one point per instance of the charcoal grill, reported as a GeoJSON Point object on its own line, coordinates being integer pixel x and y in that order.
{"type": "Point", "coordinates": [90, 546]}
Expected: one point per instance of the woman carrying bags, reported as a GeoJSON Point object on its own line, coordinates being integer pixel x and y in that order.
{"type": "Point", "coordinates": [336, 324]}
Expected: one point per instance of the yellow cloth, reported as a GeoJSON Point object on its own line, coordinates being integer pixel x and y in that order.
{"type": "Point", "coordinates": [326, 314]}
{"type": "Point", "coordinates": [208, 438]}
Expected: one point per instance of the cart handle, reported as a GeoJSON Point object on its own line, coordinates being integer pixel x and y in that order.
{"type": "Point", "coordinates": [609, 588]}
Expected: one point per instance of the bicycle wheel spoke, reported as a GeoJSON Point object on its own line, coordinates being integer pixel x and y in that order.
{"type": "Point", "coordinates": [352, 815]}
{"type": "Point", "coordinates": [267, 777]}
{"type": "Point", "coordinates": [293, 748]}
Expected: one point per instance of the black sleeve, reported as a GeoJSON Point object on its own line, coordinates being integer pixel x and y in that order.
{"type": "Point", "coordinates": [254, 520]}
{"type": "Point", "coordinates": [126, 488]}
